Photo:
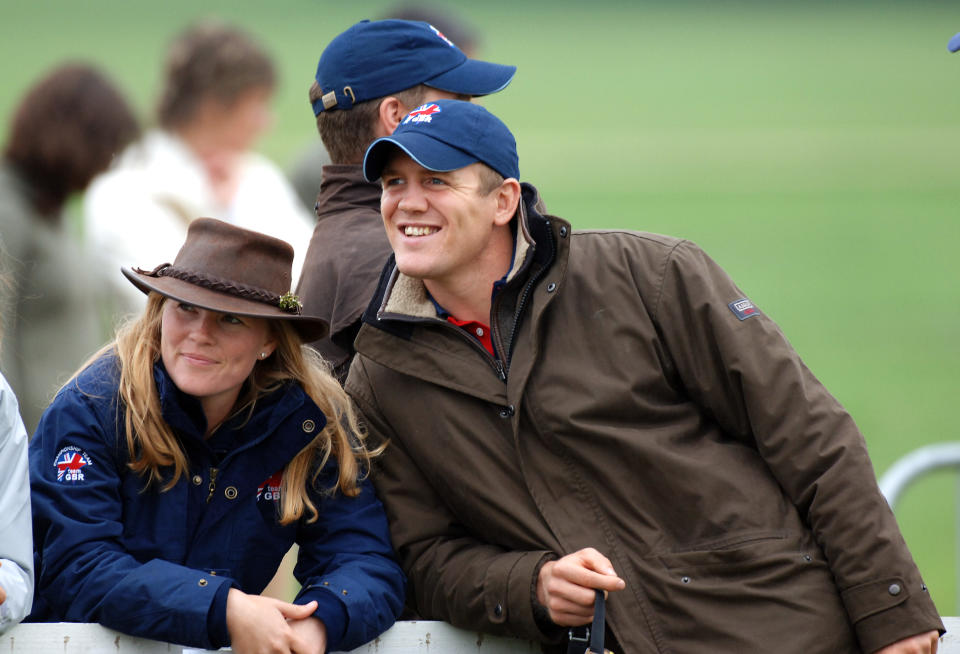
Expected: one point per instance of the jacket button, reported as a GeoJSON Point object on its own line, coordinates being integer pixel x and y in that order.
{"type": "Point", "coordinates": [230, 492]}
{"type": "Point", "coordinates": [498, 610]}
{"type": "Point", "coordinates": [202, 582]}
{"type": "Point", "coordinates": [563, 232]}
{"type": "Point", "coordinates": [551, 287]}
{"type": "Point", "coordinates": [309, 426]}
{"type": "Point", "coordinates": [685, 579]}
{"type": "Point", "coordinates": [807, 558]}
{"type": "Point", "coordinates": [923, 587]}
{"type": "Point", "coordinates": [197, 480]}
{"type": "Point", "coordinates": [507, 411]}
{"type": "Point", "coordinates": [894, 589]}
{"type": "Point", "coordinates": [344, 591]}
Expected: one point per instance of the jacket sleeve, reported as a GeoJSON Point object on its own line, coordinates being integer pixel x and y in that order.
{"type": "Point", "coordinates": [84, 572]}
{"type": "Point", "coordinates": [16, 555]}
{"type": "Point", "coordinates": [453, 575]}
{"type": "Point", "coordinates": [347, 564]}
{"type": "Point", "coordinates": [740, 368]}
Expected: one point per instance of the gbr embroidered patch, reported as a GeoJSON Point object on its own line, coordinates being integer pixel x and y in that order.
{"type": "Point", "coordinates": [70, 463]}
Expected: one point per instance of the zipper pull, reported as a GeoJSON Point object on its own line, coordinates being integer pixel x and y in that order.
{"type": "Point", "coordinates": [500, 371]}
{"type": "Point", "coordinates": [213, 483]}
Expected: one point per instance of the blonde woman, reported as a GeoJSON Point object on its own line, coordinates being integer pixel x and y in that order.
{"type": "Point", "coordinates": [173, 472]}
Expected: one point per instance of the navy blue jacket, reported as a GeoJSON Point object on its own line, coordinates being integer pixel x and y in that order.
{"type": "Point", "coordinates": [159, 564]}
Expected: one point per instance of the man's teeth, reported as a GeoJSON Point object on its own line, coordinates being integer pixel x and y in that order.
{"type": "Point", "coordinates": [412, 230]}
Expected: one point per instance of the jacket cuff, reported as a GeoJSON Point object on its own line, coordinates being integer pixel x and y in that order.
{"type": "Point", "coordinates": [507, 593]}
{"type": "Point", "coordinates": [331, 611]}
{"type": "Point", "coordinates": [217, 618]}
{"type": "Point", "coordinates": [888, 610]}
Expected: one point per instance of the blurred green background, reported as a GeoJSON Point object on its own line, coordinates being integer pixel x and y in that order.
{"type": "Point", "coordinates": [811, 147]}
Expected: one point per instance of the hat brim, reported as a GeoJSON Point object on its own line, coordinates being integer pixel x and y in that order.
{"type": "Point", "coordinates": [474, 77]}
{"type": "Point", "coordinates": [309, 328]}
{"type": "Point", "coordinates": [425, 150]}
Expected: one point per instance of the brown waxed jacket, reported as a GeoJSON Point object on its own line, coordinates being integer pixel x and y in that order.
{"type": "Point", "coordinates": [347, 251]}
{"type": "Point", "coordinates": [636, 413]}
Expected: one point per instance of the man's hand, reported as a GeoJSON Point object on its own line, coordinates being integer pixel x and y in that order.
{"type": "Point", "coordinates": [566, 586]}
{"type": "Point", "coordinates": [264, 625]}
{"type": "Point", "coordinates": [3, 593]}
{"type": "Point", "coordinates": [919, 644]}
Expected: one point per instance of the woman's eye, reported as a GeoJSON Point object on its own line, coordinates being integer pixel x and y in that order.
{"type": "Point", "coordinates": [231, 319]}
{"type": "Point", "coordinates": [183, 306]}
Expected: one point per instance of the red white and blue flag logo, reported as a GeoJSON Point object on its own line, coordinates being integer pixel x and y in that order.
{"type": "Point", "coordinates": [440, 34]}
{"type": "Point", "coordinates": [422, 114]}
{"type": "Point", "coordinates": [743, 308]}
{"type": "Point", "coordinates": [270, 489]}
{"type": "Point", "coordinates": [70, 463]}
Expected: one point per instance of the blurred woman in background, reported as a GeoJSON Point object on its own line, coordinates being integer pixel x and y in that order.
{"type": "Point", "coordinates": [215, 104]}
{"type": "Point", "coordinates": [58, 308]}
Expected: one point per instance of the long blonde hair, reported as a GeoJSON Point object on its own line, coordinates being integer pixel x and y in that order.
{"type": "Point", "coordinates": [153, 445]}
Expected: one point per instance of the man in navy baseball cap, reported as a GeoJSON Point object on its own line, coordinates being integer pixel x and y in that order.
{"type": "Point", "coordinates": [565, 408]}
{"type": "Point", "coordinates": [368, 78]}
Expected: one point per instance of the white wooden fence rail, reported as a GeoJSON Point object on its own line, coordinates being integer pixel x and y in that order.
{"type": "Point", "coordinates": [419, 637]}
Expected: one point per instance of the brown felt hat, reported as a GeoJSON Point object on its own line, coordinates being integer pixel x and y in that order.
{"type": "Point", "coordinates": [229, 269]}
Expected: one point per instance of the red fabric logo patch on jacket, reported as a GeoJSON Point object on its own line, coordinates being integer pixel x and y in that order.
{"type": "Point", "coordinates": [270, 489]}
{"type": "Point", "coordinates": [70, 462]}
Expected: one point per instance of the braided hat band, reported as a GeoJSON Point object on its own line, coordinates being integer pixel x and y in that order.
{"type": "Point", "coordinates": [287, 302]}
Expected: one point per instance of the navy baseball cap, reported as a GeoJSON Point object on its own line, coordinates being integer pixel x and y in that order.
{"type": "Point", "coordinates": [376, 58]}
{"type": "Point", "coordinates": [447, 135]}
{"type": "Point", "coordinates": [954, 43]}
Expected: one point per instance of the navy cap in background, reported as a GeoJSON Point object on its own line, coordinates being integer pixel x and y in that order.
{"type": "Point", "coordinates": [954, 43]}
{"type": "Point", "coordinates": [447, 135]}
{"type": "Point", "coordinates": [376, 58]}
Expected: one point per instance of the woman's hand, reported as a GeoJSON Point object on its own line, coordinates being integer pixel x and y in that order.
{"type": "Point", "coordinates": [264, 625]}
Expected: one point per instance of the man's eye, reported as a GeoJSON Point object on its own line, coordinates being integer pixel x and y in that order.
{"type": "Point", "coordinates": [436, 180]}
{"type": "Point", "coordinates": [391, 181]}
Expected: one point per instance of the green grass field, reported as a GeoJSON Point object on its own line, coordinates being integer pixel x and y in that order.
{"type": "Point", "coordinates": [812, 148]}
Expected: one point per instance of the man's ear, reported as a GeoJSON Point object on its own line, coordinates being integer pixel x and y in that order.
{"type": "Point", "coordinates": [508, 198]}
{"type": "Point", "coordinates": [391, 112]}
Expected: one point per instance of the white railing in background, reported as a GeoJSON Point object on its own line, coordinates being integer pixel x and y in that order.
{"type": "Point", "coordinates": [419, 637]}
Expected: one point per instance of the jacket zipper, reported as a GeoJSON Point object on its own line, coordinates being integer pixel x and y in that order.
{"type": "Point", "coordinates": [525, 294]}
{"type": "Point", "coordinates": [213, 483]}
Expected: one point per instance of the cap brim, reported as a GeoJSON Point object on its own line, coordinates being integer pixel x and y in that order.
{"type": "Point", "coordinates": [310, 328]}
{"type": "Point", "coordinates": [474, 77]}
{"type": "Point", "coordinates": [425, 150]}
{"type": "Point", "coordinates": [954, 43]}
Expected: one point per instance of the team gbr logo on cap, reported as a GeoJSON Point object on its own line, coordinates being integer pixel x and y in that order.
{"type": "Point", "coordinates": [70, 463]}
{"type": "Point", "coordinates": [440, 34]}
{"type": "Point", "coordinates": [422, 114]}
{"type": "Point", "coordinates": [743, 308]}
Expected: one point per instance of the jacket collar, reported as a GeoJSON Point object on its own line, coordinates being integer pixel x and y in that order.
{"type": "Point", "coordinates": [344, 188]}
{"type": "Point", "coordinates": [184, 413]}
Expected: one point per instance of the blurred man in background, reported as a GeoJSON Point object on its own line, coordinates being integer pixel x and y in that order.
{"type": "Point", "coordinates": [367, 79]}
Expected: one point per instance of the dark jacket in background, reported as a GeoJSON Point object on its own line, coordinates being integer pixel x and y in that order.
{"type": "Point", "coordinates": [347, 251]}
{"type": "Point", "coordinates": [639, 410]}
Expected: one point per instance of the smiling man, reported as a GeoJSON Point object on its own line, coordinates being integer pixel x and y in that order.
{"type": "Point", "coordinates": [579, 411]}
{"type": "Point", "coordinates": [368, 78]}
